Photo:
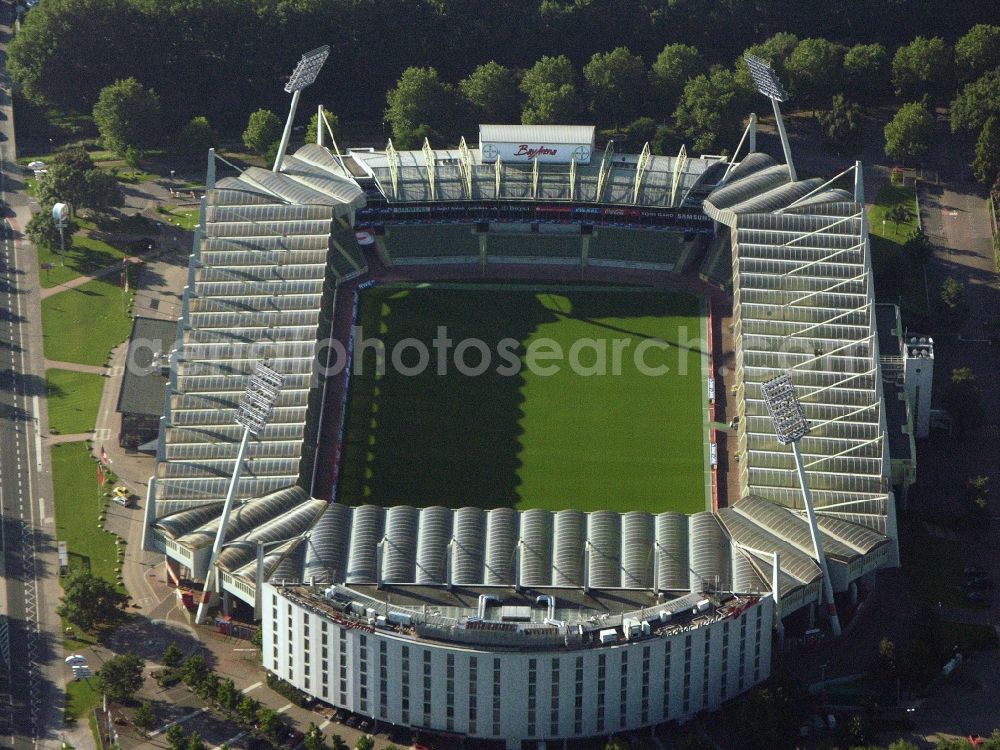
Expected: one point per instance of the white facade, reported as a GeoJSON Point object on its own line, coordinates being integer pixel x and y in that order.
{"type": "Point", "coordinates": [515, 695]}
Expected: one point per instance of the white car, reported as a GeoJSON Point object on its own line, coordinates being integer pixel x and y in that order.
{"type": "Point", "coordinates": [76, 660]}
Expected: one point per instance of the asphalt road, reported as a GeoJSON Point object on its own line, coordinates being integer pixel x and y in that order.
{"type": "Point", "coordinates": [31, 697]}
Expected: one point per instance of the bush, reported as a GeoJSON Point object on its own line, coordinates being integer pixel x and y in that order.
{"type": "Point", "coordinates": [289, 691]}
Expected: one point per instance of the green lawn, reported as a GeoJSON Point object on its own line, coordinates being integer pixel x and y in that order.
{"type": "Point", "coordinates": [931, 566]}
{"type": "Point", "coordinates": [82, 696]}
{"type": "Point", "coordinates": [83, 324]}
{"type": "Point", "coordinates": [572, 438]}
{"type": "Point", "coordinates": [185, 218]}
{"type": "Point", "coordinates": [84, 255]}
{"type": "Point", "coordinates": [73, 399]}
{"type": "Point", "coordinates": [898, 279]}
{"type": "Point", "coordinates": [887, 198]}
{"type": "Point", "coordinates": [78, 506]}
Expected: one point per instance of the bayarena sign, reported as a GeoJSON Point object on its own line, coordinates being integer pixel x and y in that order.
{"type": "Point", "coordinates": [554, 144]}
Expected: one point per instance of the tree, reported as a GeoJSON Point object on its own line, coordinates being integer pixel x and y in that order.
{"type": "Point", "coordinates": [674, 67]}
{"type": "Point", "coordinates": [918, 247]}
{"type": "Point", "coordinates": [962, 397]}
{"type": "Point", "coordinates": [90, 602]}
{"type": "Point", "coordinates": [268, 722]}
{"type": "Point", "coordinates": [194, 671]}
{"type": "Point", "coordinates": [616, 83]}
{"type": "Point", "coordinates": [72, 178]}
{"type": "Point", "coordinates": [885, 662]}
{"type": "Point", "coordinates": [986, 164]}
{"type": "Point", "coordinates": [42, 231]}
{"type": "Point", "coordinates": [955, 302]}
{"type": "Point", "coordinates": [332, 121]}
{"type": "Point", "coordinates": [248, 710]}
{"type": "Point", "coordinates": [263, 129]}
{"type": "Point", "coordinates": [365, 742]}
{"type": "Point", "coordinates": [314, 739]}
{"type": "Point", "coordinates": [226, 694]}
{"type": "Point", "coordinates": [898, 214]}
{"type": "Point", "coordinates": [492, 91]}
{"type": "Point", "coordinates": [866, 72]}
{"type": "Point", "coordinates": [977, 52]}
{"type": "Point", "coordinates": [976, 103]}
{"type": "Point", "coordinates": [195, 742]}
{"type": "Point", "coordinates": [922, 68]}
{"type": "Point", "coordinates": [977, 494]}
{"type": "Point", "coordinates": [815, 70]}
{"type": "Point", "coordinates": [121, 676]}
{"type": "Point", "coordinates": [64, 53]}
{"type": "Point", "coordinates": [711, 110]}
{"type": "Point", "coordinates": [549, 87]}
{"type": "Point", "coordinates": [175, 737]}
{"type": "Point", "coordinates": [337, 743]}
{"type": "Point", "coordinates": [172, 657]}
{"type": "Point", "coordinates": [193, 141]}
{"type": "Point", "coordinates": [842, 123]}
{"type": "Point", "coordinates": [144, 716]}
{"type": "Point", "coordinates": [908, 136]}
{"type": "Point", "coordinates": [127, 115]}
{"type": "Point", "coordinates": [103, 191]}
{"type": "Point", "coordinates": [776, 51]}
{"type": "Point", "coordinates": [420, 106]}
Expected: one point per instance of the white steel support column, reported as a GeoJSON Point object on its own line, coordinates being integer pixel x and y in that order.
{"type": "Point", "coordinates": [784, 140]}
{"type": "Point", "coordinates": [831, 607]}
{"type": "Point", "coordinates": [779, 626]}
{"type": "Point", "coordinates": [220, 535]}
{"type": "Point", "coordinates": [287, 133]}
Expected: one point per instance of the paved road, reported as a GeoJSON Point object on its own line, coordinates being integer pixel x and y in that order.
{"type": "Point", "coordinates": [29, 590]}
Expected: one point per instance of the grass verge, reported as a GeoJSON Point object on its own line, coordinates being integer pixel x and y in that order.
{"type": "Point", "coordinates": [83, 324]}
{"type": "Point", "coordinates": [80, 507]}
{"type": "Point", "coordinates": [73, 399]}
{"type": "Point", "coordinates": [82, 697]}
{"type": "Point", "coordinates": [932, 567]}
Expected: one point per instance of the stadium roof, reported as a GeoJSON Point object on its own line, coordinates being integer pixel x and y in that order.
{"type": "Point", "coordinates": [267, 262]}
{"type": "Point", "coordinates": [461, 175]}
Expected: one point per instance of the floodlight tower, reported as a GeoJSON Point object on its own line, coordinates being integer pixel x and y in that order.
{"type": "Point", "coordinates": [303, 75]}
{"type": "Point", "coordinates": [252, 414]}
{"type": "Point", "coordinates": [768, 84]}
{"type": "Point", "coordinates": [790, 426]}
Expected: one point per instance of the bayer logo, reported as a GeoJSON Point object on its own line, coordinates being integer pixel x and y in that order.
{"type": "Point", "coordinates": [490, 151]}
{"type": "Point", "coordinates": [581, 153]}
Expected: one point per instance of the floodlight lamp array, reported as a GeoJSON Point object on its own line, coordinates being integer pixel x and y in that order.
{"type": "Point", "coordinates": [785, 409]}
{"type": "Point", "coordinates": [307, 70]}
{"type": "Point", "coordinates": [258, 398]}
{"type": "Point", "coordinates": [766, 79]}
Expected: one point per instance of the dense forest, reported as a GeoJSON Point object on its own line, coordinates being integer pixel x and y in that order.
{"type": "Point", "coordinates": [219, 57]}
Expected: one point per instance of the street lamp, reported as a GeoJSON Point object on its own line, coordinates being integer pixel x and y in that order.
{"type": "Point", "coordinates": [790, 426]}
{"type": "Point", "coordinates": [252, 414]}
{"type": "Point", "coordinates": [305, 74]}
{"type": "Point", "coordinates": [768, 84]}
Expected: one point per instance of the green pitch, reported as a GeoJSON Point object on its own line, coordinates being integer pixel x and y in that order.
{"type": "Point", "coordinates": [605, 429]}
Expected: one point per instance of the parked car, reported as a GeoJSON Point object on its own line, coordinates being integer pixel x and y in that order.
{"type": "Point", "coordinates": [979, 582]}
{"type": "Point", "coordinates": [294, 738]}
{"type": "Point", "coordinates": [975, 570]}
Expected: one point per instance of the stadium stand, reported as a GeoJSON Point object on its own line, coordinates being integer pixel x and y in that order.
{"type": "Point", "coordinates": [612, 246]}
{"type": "Point", "coordinates": [438, 243]}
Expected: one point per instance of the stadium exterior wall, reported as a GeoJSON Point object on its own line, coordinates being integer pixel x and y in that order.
{"type": "Point", "coordinates": [516, 696]}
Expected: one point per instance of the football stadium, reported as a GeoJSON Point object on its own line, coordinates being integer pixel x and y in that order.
{"type": "Point", "coordinates": [485, 438]}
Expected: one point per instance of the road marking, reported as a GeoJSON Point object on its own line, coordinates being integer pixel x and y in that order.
{"type": "Point", "coordinates": [285, 708]}
{"type": "Point", "coordinates": [181, 720]}
{"type": "Point", "coordinates": [231, 740]}
{"type": "Point", "coordinates": [38, 432]}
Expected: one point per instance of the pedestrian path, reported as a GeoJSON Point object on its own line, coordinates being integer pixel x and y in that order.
{"type": "Point", "coordinates": [54, 364]}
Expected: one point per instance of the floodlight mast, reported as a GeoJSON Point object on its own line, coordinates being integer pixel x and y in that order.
{"type": "Point", "coordinates": [768, 84]}
{"type": "Point", "coordinates": [790, 426]}
{"type": "Point", "coordinates": [252, 414]}
{"type": "Point", "coordinates": [305, 74]}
